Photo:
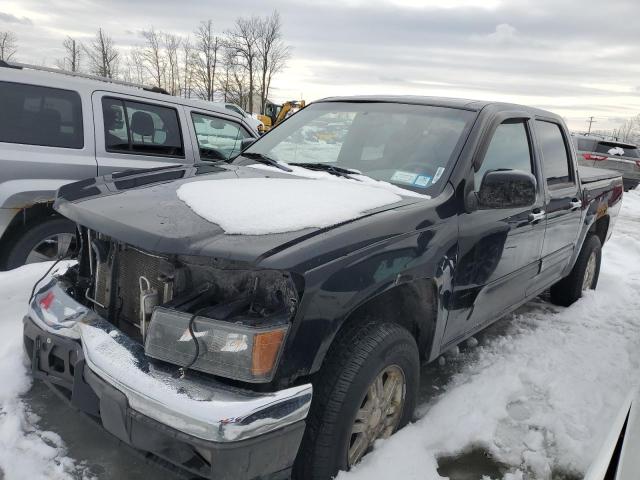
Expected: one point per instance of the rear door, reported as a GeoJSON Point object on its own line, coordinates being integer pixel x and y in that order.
{"type": "Point", "coordinates": [563, 205]}
{"type": "Point", "coordinates": [134, 132]}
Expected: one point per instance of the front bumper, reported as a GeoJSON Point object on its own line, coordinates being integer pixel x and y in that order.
{"type": "Point", "coordinates": [204, 426]}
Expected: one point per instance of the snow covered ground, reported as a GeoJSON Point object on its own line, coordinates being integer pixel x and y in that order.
{"type": "Point", "coordinates": [536, 393]}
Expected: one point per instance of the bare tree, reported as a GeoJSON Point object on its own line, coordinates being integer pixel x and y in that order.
{"type": "Point", "coordinates": [187, 68]}
{"type": "Point", "coordinates": [71, 59]}
{"type": "Point", "coordinates": [103, 56]}
{"type": "Point", "coordinates": [243, 43]}
{"type": "Point", "coordinates": [134, 70]}
{"type": "Point", "coordinates": [154, 58]}
{"type": "Point", "coordinates": [8, 45]}
{"type": "Point", "coordinates": [272, 53]}
{"type": "Point", "coordinates": [172, 51]}
{"type": "Point", "coordinates": [207, 49]}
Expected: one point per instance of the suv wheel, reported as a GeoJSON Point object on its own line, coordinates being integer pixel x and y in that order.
{"type": "Point", "coordinates": [49, 240]}
{"type": "Point", "coordinates": [583, 276]}
{"type": "Point", "coordinates": [366, 390]}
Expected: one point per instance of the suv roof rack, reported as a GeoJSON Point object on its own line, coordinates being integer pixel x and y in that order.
{"type": "Point", "coordinates": [20, 66]}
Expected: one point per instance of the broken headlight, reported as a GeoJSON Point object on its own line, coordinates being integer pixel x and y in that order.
{"type": "Point", "coordinates": [239, 350]}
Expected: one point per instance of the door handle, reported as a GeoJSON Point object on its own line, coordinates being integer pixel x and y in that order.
{"type": "Point", "coordinates": [576, 204]}
{"type": "Point", "coordinates": [536, 215]}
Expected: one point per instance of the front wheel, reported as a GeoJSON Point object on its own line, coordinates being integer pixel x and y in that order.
{"type": "Point", "coordinates": [49, 240]}
{"type": "Point", "coordinates": [366, 390]}
{"type": "Point", "coordinates": [583, 276]}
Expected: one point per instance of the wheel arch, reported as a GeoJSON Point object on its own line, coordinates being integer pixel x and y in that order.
{"type": "Point", "coordinates": [413, 305]}
{"type": "Point", "coordinates": [23, 219]}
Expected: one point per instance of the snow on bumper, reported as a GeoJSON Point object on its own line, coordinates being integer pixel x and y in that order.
{"type": "Point", "coordinates": [195, 405]}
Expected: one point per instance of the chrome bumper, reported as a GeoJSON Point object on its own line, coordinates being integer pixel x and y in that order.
{"type": "Point", "coordinates": [196, 405]}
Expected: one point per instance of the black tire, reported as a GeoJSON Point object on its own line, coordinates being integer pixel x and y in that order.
{"type": "Point", "coordinates": [569, 289]}
{"type": "Point", "coordinates": [24, 241]}
{"type": "Point", "coordinates": [353, 362]}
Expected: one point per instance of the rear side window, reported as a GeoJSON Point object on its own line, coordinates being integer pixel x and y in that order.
{"type": "Point", "coordinates": [509, 150]}
{"type": "Point", "coordinates": [141, 128]}
{"type": "Point", "coordinates": [35, 115]}
{"type": "Point", "coordinates": [617, 149]}
{"type": "Point", "coordinates": [554, 153]}
{"type": "Point", "coordinates": [218, 139]}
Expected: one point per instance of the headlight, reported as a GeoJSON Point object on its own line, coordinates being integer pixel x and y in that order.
{"type": "Point", "coordinates": [235, 350]}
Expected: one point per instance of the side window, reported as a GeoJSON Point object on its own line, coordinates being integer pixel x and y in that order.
{"type": "Point", "coordinates": [34, 115]}
{"type": "Point", "coordinates": [555, 158]}
{"type": "Point", "coordinates": [141, 128]}
{"type": "Point", "coordinates": [218, 139]}
{"type": "Point", "coordinates": [509, 150]}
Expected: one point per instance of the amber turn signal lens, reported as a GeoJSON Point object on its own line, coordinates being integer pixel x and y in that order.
{"type": "Point", "coordinates": [266, 347]}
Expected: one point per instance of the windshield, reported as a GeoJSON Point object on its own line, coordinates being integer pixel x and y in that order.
{"type": "Point", "coordinates": [411, 146]}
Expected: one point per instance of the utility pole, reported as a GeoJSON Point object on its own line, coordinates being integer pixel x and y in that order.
{"type": "Point", "coordinates": [591, 120]}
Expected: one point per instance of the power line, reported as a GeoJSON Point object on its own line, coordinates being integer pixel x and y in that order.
{"type": "Point", "coordinates": [591, 121]}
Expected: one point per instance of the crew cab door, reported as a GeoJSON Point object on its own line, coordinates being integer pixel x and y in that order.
{"type": "Point", "coordinates": [499, 248]}
{"type": "Point", "coordinates": [135, 132]}
{"type": "Point", "coordinates": [563, 204]}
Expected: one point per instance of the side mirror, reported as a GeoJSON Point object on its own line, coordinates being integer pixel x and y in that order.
{"type": "Point", "coordinates": [246, 143]}
{"type": "Point", "coordinates": [507, 189]}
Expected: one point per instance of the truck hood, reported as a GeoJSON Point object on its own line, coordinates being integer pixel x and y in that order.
{"type": "Point", "coordinates": [142, 208]}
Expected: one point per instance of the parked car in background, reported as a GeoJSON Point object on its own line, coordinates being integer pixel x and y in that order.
{"type": "Point", "coordinates": [623, 158]}
{"type": "Point", "coordinates": [246, 318]}
{"type": "Point", "coordinates": [247, 116]}
{"type": "Point", "coordinates": [57, 128]}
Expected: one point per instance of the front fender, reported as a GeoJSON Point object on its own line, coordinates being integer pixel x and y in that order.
{"type": "Point", "coordinates": [18, 194]}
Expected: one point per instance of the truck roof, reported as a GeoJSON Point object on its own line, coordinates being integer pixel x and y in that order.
{"type": "Point", "coordinates": [461, 103]}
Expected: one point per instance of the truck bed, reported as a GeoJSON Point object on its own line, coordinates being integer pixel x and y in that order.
{"type": "Point", "coordinates": [591, 175]}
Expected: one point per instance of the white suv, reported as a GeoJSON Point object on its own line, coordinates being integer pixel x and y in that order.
{"type": "Point", "coordinates": [56, 128]}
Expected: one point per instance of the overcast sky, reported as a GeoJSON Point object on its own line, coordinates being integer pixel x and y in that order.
{"type": "Point", "coordinates": [577, 58]}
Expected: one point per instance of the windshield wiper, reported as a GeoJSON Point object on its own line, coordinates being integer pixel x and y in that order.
{"type": "Point", "coordinates": [262, 158]}
{"type": "Point", "coordinates": [332, 169]}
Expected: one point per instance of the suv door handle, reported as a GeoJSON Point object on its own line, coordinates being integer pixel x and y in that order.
{"type": "Point", "coordinates": [536, 215]}
{"type": "Point", "coordinates": [576, 204]}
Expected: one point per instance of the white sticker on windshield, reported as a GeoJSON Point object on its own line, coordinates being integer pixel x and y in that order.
{"type": "Point", "coordinates": [422, 181]}
{"type": "Point", "coordinates": [404, 177]}
{"type": "Point", "coordinates": [438, 174]}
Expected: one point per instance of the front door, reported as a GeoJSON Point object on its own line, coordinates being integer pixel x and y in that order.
{"type": "Point", "coordinates": [499, 249]}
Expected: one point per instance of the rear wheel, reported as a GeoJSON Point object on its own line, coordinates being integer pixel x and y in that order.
{"type": "Point", "coordinates": [49, 240]}
{"type": "Point", "coordinates": [366, 390]}
{"type": "Point", "coordinates": [583, 276]}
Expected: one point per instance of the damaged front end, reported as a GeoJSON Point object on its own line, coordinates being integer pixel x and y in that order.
{"type": "Point", "coordinates": [167, 350]}
{"type": "Point", "coordinates": [193, 312]}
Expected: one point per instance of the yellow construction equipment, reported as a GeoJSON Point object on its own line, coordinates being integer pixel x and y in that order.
{"type": "Point", "coordinates": [275, 114]}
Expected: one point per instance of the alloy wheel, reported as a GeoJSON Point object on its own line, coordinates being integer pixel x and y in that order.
{"type": "Point", "coordinates": [379, 413]}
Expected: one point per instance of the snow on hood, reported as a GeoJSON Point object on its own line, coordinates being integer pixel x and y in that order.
{"type": "Point", "coordinates": [260, 206]}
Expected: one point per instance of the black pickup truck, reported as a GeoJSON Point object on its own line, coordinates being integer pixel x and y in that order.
{"type": "Point", "coordinates": [268, 316]}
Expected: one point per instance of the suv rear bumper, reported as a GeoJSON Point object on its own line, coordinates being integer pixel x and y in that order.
{"type": "Point", "coordinates": [250, 434]}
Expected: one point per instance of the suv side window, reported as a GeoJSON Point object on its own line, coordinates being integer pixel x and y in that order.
{"type": "Point", "coordinates": [218, 139]}
{"type": "Point", "coordinates": [35, 115]}
{"type": "Point", "coordinates": [509, 150]}
{"type": "Point", "coordinates": [555, 157]}
{"type": "Point", "coordinates": [141, 128]}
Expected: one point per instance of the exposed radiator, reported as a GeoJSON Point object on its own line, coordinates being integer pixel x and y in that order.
{"type": "Point", "coordinates": [130, 264]}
